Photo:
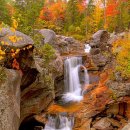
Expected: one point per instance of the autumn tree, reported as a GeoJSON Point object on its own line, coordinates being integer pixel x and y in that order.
{"type": "Point", "coordinates": [27, 13]}
{"type": "Point", "coordinates": [123, 19]}
{"type": "Point", "coordinates": [117, 15]}
{"type": "Point", "coordinates": [54, 12]}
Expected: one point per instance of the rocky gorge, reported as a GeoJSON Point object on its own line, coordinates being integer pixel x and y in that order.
{"type": "Point", "coordinates": [32, 86]}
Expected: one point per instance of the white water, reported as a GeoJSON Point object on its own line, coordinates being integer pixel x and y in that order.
{"type": "Point", "coordinates": [73, 90]}
{"type": "Point", "coordinates": [59, 123]}
{"type": "Point", "coordinates": [87, 48]}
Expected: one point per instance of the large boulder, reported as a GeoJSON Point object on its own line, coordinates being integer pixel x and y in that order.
{"type": "Point", "coordinates": [10, 101]}
{"type": "Point", "coordinates": [49, 36]}
{"type": "Point", "coordinates": [21, 40]}
{"type": "Point", "coordinates": [101, 36]}
{"type": "Point", "coordinates": [100, 49]}
{"type": "Point", "coordinates": [68, 45]}
{"type": "Point", "coordinates": [38, 89]}
{"type": "Point", "coordinates": [18, 48]}
{"type": "Point", "coordinates": [120, 89]}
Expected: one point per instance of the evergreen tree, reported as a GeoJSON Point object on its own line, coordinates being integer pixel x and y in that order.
{"type": "Point", "coordinates": [72, 13]}
{"type": "Point", "coordinates": [4, 12]}
{"type": "Point", "coordinates": [27, 13]}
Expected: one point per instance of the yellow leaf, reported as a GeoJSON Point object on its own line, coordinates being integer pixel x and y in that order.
{"type": "Point", "coordinates": [1, 57]}
{"type": "Point", "coordinates": [12, 29]}
{"type": "Point", "coordinates": [2, 42]}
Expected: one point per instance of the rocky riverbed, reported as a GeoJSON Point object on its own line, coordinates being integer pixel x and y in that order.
{"type": "Point", "coordinates": [31, 92]}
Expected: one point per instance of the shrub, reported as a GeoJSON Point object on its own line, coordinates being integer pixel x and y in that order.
{"type": "Point", "coordinates": [79, 37]}
{"type": "Point", "coordinates": [47, 52]}
{"type": "Point", "coordinates": [121, 50]}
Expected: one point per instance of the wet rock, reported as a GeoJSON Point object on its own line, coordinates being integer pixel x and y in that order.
{"type": "Point", "coordinates": [57, 64]}
{"type": "Point", "coordinates": [10, 101]}
{"type": "Point", "coordinates": [102, 124]}
{"type": "Point", "coordinates": [49, 36]}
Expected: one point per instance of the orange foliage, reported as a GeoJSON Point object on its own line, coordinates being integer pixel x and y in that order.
{"type": "Point", "coordinates": [81, 6]}
{"type": "Point", "coordinates": [15, 64]}
{"type": "Point", "coordinates": [111, 9]}
{"type": "Point", "coordinates": [53, 12]}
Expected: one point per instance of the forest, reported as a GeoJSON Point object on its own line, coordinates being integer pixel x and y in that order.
{"type": "Point", "coordinates": [64, 64]}
{"type": "Point", "coordinates": [77, 18]}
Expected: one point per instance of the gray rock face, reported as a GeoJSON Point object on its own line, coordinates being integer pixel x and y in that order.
{"type": "Point", "coordinates": [100, 60]}
{"type": "Point", "coordinates": [100, 49]}
{"type": "Point", "coordinates": [100, 36]}
{"type": "Point", "coordinates": [49, 36]}
{"type": "Point", "coordinates": [10, 101]}
{"type": "Point", "coordinates": [22, 40]}
{"type": "Point", "coordinates": [120, 89]}
{"type": "Point", "coordinates": [37, 96]}
{"type": "Point", "coordinates": [68, 45]}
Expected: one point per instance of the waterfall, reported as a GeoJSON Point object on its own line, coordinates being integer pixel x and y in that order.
{"type": "Point", "coordinates": [87, 48]}
{"type": "Point", "coordinates": [59, 123]}
{"type": "Point", "coordinates": [73, 90]}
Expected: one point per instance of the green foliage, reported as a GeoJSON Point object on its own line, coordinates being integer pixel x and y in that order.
{"type": "Point", "coordinates": [72, 13]}
{"type": "Point", "coordinates": [121, 50]}
{"type": "Point", "coordinates": [47, 52]}
{"type": "Point", "coordinates": [71, 29]}
{"type": "Point", "coordinates": [27, 14]}
{"type": "Point", "coordinates": [4, 12]}
{"type": "Point", "coordinates": [79, 37]}
{"type": "Point", "coordinates": [37, 38]}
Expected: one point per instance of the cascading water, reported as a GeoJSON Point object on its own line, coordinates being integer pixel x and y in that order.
{"type": "Point", "coordinates": [59, 123]}
{"type": "Point", "coordinates": [73, 90]}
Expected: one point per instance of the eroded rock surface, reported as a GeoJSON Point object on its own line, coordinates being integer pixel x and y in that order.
{"type": "Point", "coordinates": [10, 101]}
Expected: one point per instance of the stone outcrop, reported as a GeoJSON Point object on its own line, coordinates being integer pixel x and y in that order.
{"type": "Point", "coordinates": [15, 41]}
{"type": "Point", "coordinates": [10, 100]}
{"type": "Point", "coordinates": [49, 36]}
{"type": "Point", "coordinates": [17, 65]}
{"type": "Point", "coordinates": [100, 50]}
{"type": "Point", "coordinates": [21, 40]}
{"type": "Point", "coordinates": [37, 95]}
{"type": "Point", "coordinates": [120, 89]}
{"type": "Point", "coordinates": [69, 46]}
{"type": "Point", "coordinates": [104, 105]}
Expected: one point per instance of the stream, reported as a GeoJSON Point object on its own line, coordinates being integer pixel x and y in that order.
{"type": "Point", "coordinates": [73, 92]}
